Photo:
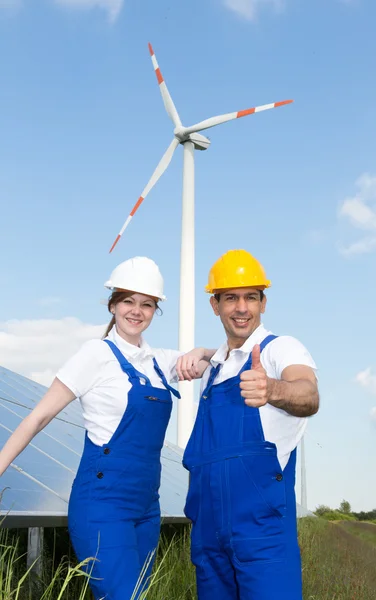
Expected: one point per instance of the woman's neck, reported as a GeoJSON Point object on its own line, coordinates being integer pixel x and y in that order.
{"type": "Point", "coordinates": [134, 340]}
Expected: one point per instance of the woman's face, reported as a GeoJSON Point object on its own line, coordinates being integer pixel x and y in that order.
{"type": "Point", "coordinates": [133, 315]}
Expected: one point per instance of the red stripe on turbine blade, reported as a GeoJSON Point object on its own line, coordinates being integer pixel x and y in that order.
{"type": "Point", "coordinates": [136, 206]}
{"type": "Point", "coordinates": [114, 244]}
{"type": "Point", "coordinates": [159, 75]}
{"type": "Point", "coordinates": [282, 103]}
{"type": "Point", "coordinates": [151, 49]}
{"type": "Point", "coordinates": [244, 113]}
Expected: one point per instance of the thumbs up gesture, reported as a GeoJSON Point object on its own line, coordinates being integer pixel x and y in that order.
{"type": "Point", "coordinates": [254, 383]}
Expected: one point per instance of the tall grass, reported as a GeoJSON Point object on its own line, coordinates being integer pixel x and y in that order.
{"type": "Point", "coordinates": [10, 583]}
{"type": "Point", "coordinates": [20, 583]}
{"type": "Point", "coordinates": [337, 565]}
{"type": "Point", "coordinates": [176, 575]}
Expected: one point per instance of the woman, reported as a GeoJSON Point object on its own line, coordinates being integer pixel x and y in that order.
{"type": "Point", "coordinates": [125, 393]}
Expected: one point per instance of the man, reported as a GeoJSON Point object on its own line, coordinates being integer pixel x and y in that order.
{"type": "Point", "coordinates": [242, 451]}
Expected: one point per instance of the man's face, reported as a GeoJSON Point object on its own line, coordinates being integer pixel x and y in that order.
{"type": "Point", "coordinates": [240, 311]}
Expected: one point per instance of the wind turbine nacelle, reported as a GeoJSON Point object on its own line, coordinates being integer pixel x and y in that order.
{"type": "Point", "coordinates": [200, 141]}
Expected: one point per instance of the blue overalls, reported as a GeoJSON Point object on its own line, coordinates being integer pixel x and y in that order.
{"type": "Point", "coordinates": [241, 504]}
{"type": "Point", "coordinates": [114, 512]}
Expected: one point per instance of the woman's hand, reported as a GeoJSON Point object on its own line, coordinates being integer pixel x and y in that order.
{"type": "Point", "coordinates": [192, 365]}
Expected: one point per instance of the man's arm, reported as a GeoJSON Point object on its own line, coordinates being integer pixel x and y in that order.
{"type": "Point", "coordinates": [296, 392]}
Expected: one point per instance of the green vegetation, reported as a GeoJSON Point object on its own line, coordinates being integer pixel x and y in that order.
{"type": "Point", "coordinates": [344, 513]}
{"type": "Point", "coordinates": [339, 563]}
{"type": "Point", "coordinates": [364, 530]}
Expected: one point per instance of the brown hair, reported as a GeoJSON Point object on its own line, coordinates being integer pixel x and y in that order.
{"type": "Point", "coordinates": [116, 297]}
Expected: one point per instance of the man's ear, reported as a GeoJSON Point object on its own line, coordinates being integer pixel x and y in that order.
{"type": "Point", "coordinates": [214, 304]}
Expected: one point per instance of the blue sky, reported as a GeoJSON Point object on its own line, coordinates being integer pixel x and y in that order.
{"type": "Point", "coordinates": [83, 126]}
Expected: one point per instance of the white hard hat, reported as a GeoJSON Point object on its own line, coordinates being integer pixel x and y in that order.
{"type": "Point", "coordinates": [138, 274]}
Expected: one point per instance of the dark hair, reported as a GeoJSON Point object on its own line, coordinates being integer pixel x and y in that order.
{"type": "Point", "coordinates": [217, 296]}
{"type": "Point", "coordinates": [116, 297]}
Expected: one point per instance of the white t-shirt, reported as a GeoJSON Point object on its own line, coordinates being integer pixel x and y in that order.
{"type": "Point", "coordinates": [94, 375]}
{"type": "Point", "coordinates": [280, 428]}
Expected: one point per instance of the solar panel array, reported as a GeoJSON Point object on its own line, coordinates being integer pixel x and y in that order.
{"type": "Point", "coordinates": [35, 490]}
{"type": "Point", "coordinates": [36, 487]}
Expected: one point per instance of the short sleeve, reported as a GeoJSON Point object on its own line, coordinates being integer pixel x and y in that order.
{"type": "Point", "coordinates": [80, 372]}
{"type": "Point", "coordinates": [167, 360]}
{"type": "Point", "coordinates": [286, 351]}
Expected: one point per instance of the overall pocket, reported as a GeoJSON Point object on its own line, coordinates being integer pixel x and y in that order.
{"type": "Point", "coordinates": [257, 497]}
{"type": "Point", "coordinates": [155, 411]}
{"type": "Point", "coordinates": [156, 399]}
{"type": "Point", "coordinates": [265, 476]}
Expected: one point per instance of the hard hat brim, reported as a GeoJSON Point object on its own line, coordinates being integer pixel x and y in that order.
{"type": "Point", "coordinates": [263, 287]}
{"type": "Point", "coordinates": [116, 289]}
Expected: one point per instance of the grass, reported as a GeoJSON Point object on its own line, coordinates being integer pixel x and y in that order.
{"type": "Point", "coordinates": [363, 530]}
{"type": "Point", "coordinates": [17, 582]}
{"type": "Point", "coordinates": [339, 563]}
{"type": "Point", "coordinates": [176, 576]}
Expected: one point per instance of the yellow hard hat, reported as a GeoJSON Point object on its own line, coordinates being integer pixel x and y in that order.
{"type": "Point", "coordinates": [236, 269]}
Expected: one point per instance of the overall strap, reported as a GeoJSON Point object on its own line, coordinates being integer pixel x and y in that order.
{"type": "Point", "coordinates": [248, 364]}
{"type": "Point", "coordinates": [126, 366]}
{"type": "Point", "coordinates": [212, 375]}
{"type": "Point", "coordinates": [164, 380]}
{"type": "Point", "coordinates": [215, 370]}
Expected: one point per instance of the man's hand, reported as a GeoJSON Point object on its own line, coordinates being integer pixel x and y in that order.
{"type": "Point", "coordinates": [254, 383]}
{"type": "Point", "coordinates": [296, 392]}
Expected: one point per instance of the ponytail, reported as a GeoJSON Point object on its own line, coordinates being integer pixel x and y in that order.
{"type": "Point", "coordinates": [109, 327]}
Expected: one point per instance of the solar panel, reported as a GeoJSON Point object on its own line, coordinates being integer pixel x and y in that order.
{"type": "Point", "coordinates": [37, 486]}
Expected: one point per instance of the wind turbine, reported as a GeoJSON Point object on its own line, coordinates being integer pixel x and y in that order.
{"type": "Point", "coordinates": [303, 476]}
{"type": "Point", "coordinates": [191, 140]}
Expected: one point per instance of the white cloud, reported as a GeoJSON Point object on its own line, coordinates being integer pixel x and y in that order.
{"type": "Point", "coordinates": [360, 212]}
{"type": "Point", "coordinates": [367, 379]}
{"type": "Point", "coordinates": [37, 348]}
{"type": "Point", "coordinates": [249, 9]}
{"type": "Point", "coordinates": [363, 246]}
{"type": "Point", "coordinates": [112, 7]}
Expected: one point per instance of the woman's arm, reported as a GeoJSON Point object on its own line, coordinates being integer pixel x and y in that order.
{"type": "Point", "coordinates": [194, 363]}
{"type": "Point", "coordinates": [56, 398]}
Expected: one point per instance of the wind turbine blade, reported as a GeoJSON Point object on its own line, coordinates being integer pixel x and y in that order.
{"type": "Point", "coordinates": [162, 166]}
{"type": "Point", "coordinates": [167, 100]}
{"type": "Point", "coordinates": [213, 121]}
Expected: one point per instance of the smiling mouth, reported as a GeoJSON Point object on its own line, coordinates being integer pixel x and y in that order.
{"type": "Point", "coordinates": [240, 320]}
{"type": "Point", "coordinates": [133, 321]}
